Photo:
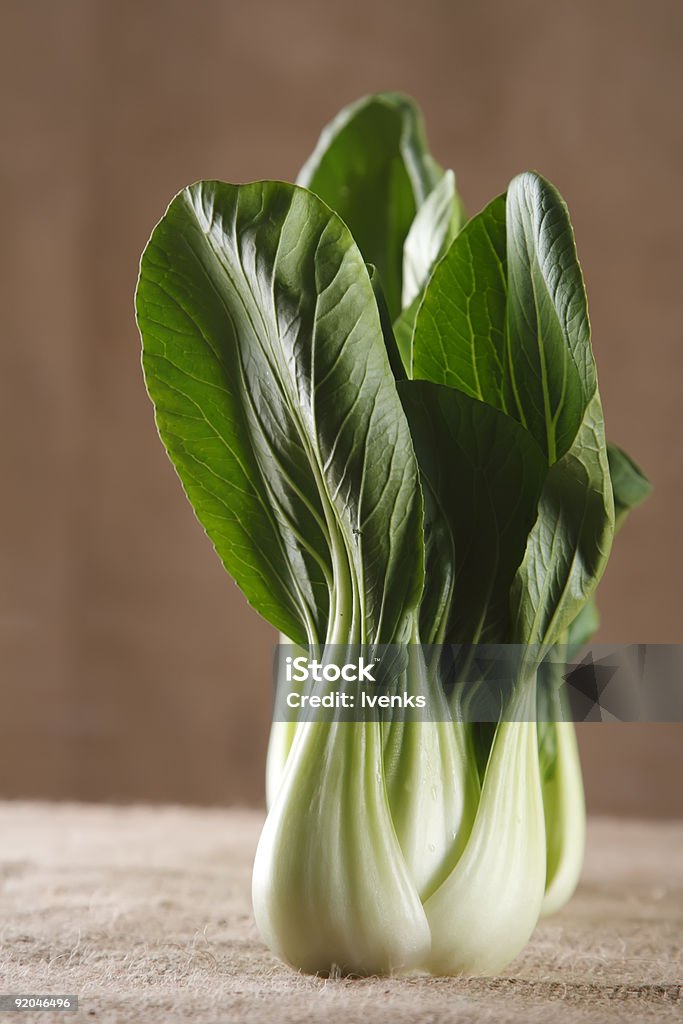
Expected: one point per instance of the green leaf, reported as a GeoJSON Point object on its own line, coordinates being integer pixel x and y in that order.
{"type": "Point", "coordinates": [568, 548]}
{"type": "Point", "coordinates": [372, 166]}
{"type": "Point", "coordinates": [264, 357]}
{"type": "Point", "coordinates": [504, 316]}
{"type": "Point", "coordinates": [551, 374]}
{"type": "Point", "coordinates": [504, 320]}
{"type": "Point", "coordinates": [482, 475]}
{"type": "Point", "coordinates": [404, 329]}
{"type": "Point", "coordinates": [393, 351]}
{"type": "Point", "coordinates": [582, 628]}
{"type": "Point", "coordinates": [436, 224]}
{"type": "Point", "coordinates": [630, 485]}
{"type": "Point", "coordinates": [630, 488]}
{"type": "Point", "coordinates": [459, 333]}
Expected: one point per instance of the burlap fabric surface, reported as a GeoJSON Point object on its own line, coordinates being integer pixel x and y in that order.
{"type": "Point", "coordinates": [144, 913]}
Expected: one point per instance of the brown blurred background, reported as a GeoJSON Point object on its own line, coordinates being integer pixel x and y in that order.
{"type": "Point", "coordinates": [131, 667]}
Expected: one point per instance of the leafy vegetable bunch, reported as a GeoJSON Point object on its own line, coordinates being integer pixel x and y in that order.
{"type": "Point", "coordinates": [387, 419]}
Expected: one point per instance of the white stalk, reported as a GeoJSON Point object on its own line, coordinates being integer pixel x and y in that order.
{"type": "Point", "coordinates": [432, 793]}
{"type": "Point", "coordinates": [331, 890]}
{"type": "Point", "coordinates": [279, 745]}
{"type": "Point", "coordinates": [483, 914]}
{"type": "Point", "coordinates": [565, 821]}
{"type": "Point", "coordinates": [433, 799]}
{"type": "Point", "coordinates": [282, 734]}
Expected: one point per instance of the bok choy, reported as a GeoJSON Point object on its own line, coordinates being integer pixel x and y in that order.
{"type": "Point", "coordinates": [386, 418]}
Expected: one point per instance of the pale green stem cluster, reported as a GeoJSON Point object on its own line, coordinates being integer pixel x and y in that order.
{"type": "Point", "coordinates": [382, 852]}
